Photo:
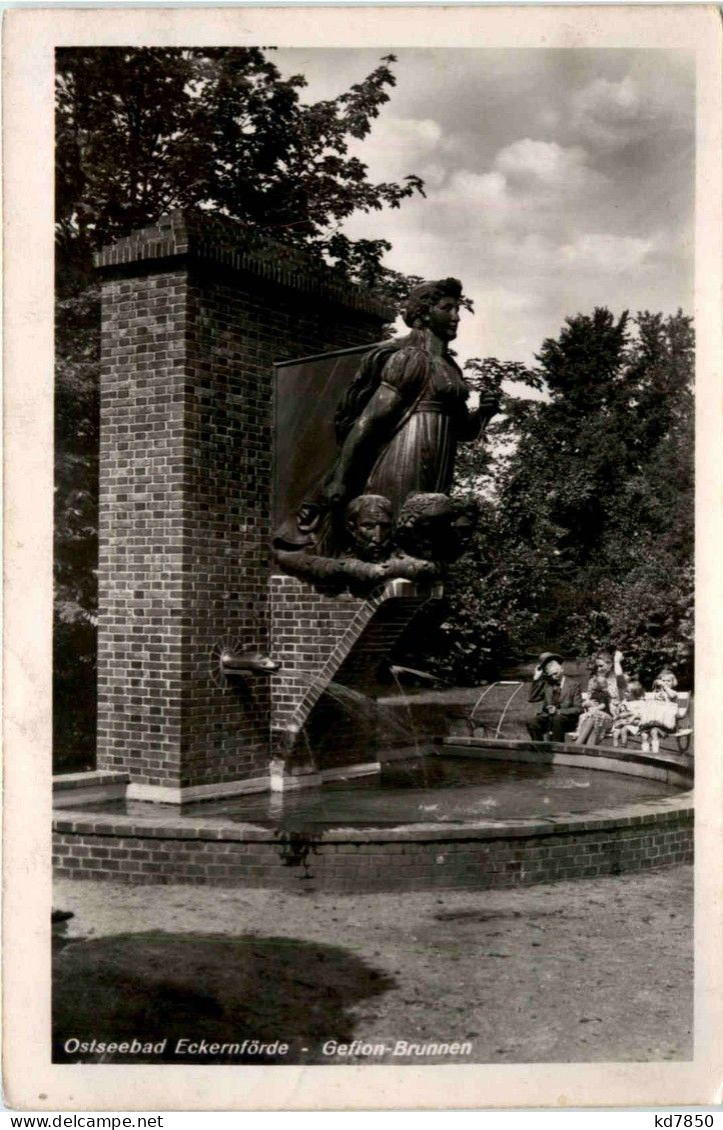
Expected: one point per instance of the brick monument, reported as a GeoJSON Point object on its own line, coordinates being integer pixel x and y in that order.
{"type": "Point", "coordinates": [194, 314]}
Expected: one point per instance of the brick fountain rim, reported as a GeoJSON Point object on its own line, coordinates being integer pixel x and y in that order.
{"type": "Point", "coordinates": [164, 847]}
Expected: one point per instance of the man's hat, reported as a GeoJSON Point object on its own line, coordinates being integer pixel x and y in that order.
{"type": "Point", "coordinates": [547, 656]}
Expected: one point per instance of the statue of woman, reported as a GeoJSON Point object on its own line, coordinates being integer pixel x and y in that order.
{"type": "Point", "coordinates": [399, 422]}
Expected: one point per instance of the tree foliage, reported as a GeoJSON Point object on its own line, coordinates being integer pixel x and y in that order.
{"type": "Point", "coordinates": [587, 537]}
{"type": "Point", "coordinates": [141, 131]}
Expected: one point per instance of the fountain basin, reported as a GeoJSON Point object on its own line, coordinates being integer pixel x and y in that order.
{"type": "Point", "coordinates": [297, 850]}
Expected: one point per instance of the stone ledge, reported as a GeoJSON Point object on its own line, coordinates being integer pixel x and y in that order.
{"type": "Point", "coordinates": [169, 794]}
{"type": "Point", "coordinates": [92, 787]}
{"type": "Point", "coordinates": [546, 752]}
{"type": "Point", "coordinates": [91, 777]}
{"type": "Point", "coordinates": [663, 811]}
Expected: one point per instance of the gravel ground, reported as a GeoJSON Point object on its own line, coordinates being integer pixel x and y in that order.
{"type": "Point", "coordinates": [600, 970]}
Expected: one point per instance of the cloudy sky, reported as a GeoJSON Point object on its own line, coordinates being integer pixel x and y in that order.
{"type": "Point", "coordinates": [556, 180]}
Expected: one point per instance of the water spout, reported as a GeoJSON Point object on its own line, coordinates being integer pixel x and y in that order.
{"type": "Point", "coordinates": [247, 662]}
{"type": "Point", "coordinates": [485, 692]}
{"type": "Point", "coordinates": [397, 671]}
{"type": "Point", "coordinates": [517, 689]}
{"type": "Point", "coordinates": [499, 683]}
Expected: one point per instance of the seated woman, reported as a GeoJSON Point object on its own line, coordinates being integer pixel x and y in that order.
{"type": "Point", "coordinates": [596, 719]}
{"type": "Point", "coordinates": [610, 667]}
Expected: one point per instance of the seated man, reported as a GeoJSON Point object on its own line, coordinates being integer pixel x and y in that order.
{"type": "Point", "coordinates": [560, 698]}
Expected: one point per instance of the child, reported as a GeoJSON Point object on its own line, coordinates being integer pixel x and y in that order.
{"type": "Point", "coordinates": [660, 711]}
{"type": "Point", "coordinates": [596, 719]}
{"type": "Point", "coordinates": [627, 717]}
{"type": "Point", "coordinates": [664, 687]}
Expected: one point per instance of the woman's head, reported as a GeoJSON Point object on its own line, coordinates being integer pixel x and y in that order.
{"type": "Point", "coordinates": [602, 663]}
{"type": "Point", "coordinates": [436, 305]}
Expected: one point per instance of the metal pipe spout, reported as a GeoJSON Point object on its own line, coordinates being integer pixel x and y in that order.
{"type": "Point", "coordinates": [247, 663]}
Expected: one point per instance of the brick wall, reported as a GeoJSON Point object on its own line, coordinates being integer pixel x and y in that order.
{"type": "Point", "coordinates": [319, 639]}
{"type": "Point", "coordinates": [194, 314]}
{"type": "Point", "coordinates": [140, 582]}
{"type": "Point", "coordinates": [575, 848]}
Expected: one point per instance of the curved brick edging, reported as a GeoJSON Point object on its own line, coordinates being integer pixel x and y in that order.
{"type": "Point", "coordinates": [670, 768]}
{"type": "Point", "coordinates": [163, 848]}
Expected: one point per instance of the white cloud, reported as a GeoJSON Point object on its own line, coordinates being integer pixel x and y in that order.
{"type": "Point", "coordinates": [527, 163]}
{"type": "Point", "coordinates": [547, 216]}
{"type": "Point", "coordinates": [401, 146]}
{"type": "Point", "coordinates": [435, 175]}
{"type": "Point", "coordinates": [479, 199]}
{"type": "Point", "coordinates": [610, 254]}
{"type": "Point", "coordinates": [613, 113]}
{"type": "Point", "coordinates": [529, 190]}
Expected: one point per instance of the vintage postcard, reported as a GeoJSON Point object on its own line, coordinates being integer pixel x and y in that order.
{"type": "Point", "coordinates": [362, 537]}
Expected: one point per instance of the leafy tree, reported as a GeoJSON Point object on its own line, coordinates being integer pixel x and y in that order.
{"type": "Point", "coordinates": [588, 541]}
{"type": "Point", "coordinates": [650, 616]}
{"type": "Point", "coordinates": [139, 132]}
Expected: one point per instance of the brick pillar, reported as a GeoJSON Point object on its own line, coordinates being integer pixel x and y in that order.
{"type": "Point", "coordinates": [193, 317]}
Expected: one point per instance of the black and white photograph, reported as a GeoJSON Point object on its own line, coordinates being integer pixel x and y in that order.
{"type": "Point", "coordinates": [373, 694]}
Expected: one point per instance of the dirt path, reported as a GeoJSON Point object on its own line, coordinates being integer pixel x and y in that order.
{"type": "Point", "coordinates": [598, 970]}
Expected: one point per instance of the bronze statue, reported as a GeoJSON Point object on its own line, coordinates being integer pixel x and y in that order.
{"type": "Point", "coordinates": [398, 424]}
{"type": "Point", "coordinates": [397, 428]}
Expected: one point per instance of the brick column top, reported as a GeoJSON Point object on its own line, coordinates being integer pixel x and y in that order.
{"type": "Point", "coordinates": [191, 233]}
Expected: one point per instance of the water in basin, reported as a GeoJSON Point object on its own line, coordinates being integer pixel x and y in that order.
{"type": "Point", "coordinates": [430, 789]}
